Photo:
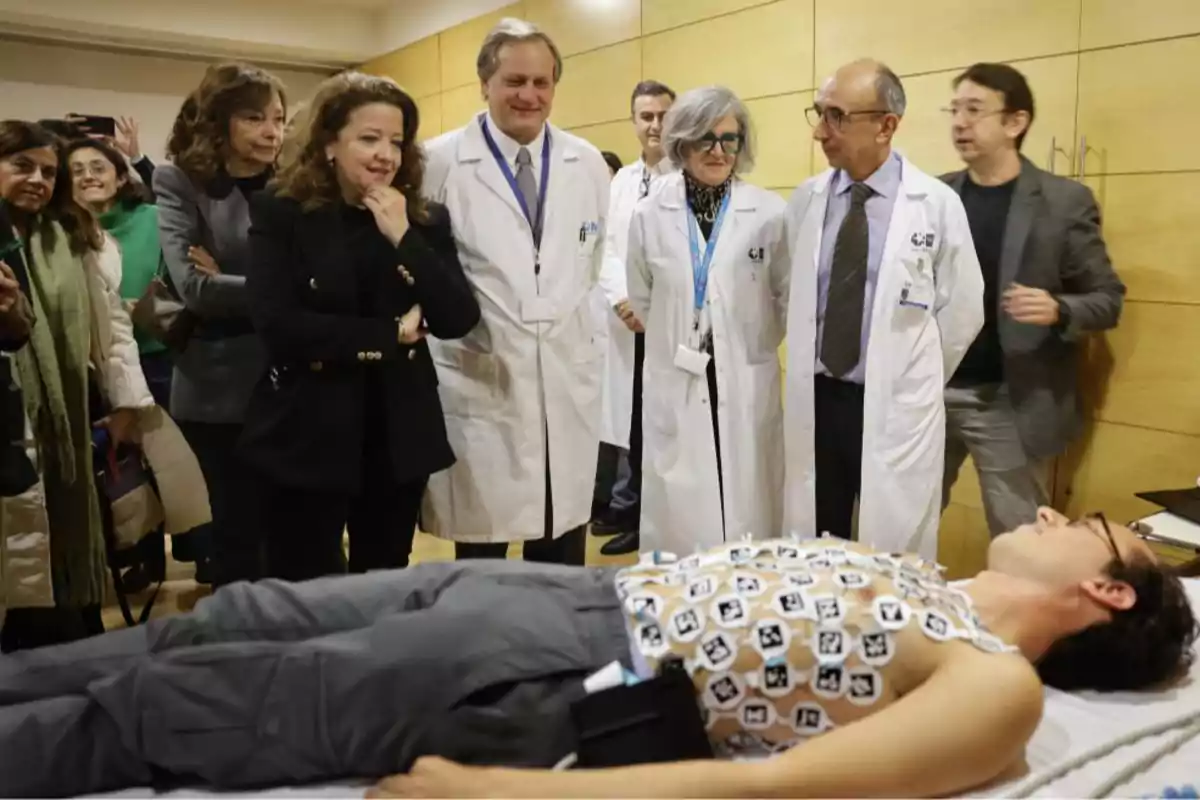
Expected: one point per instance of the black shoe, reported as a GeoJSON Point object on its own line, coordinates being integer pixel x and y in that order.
{"type": "Point", "coordinates": [612, 524]}
{"type": "Point", "coordinates": [627, 542]}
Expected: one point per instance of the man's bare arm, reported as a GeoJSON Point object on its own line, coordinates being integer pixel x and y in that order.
{"type": "Point", "coordinates": [963, 727]}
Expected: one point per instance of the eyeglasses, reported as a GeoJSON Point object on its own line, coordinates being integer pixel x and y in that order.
{"type": "Point", "coordinates": [970, 113]}
{"type": "Point", "coordinates": [731, 143]}
{"type": "Point", "coordinates": [1112, 543]}
{"type": "Point", "coordinates": [835, 118]}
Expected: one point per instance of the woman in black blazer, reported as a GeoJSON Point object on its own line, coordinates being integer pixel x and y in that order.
{"type": "Point", "coordinates": [349, 269]}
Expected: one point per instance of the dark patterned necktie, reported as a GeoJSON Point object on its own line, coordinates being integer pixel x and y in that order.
{"type": "Point", "coordinates": [841, 342]}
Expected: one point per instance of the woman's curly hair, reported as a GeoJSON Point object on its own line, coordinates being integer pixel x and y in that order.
{"type": "Point", "coordinates": [199, 140]}
{"type": "Point", "coordinates": [308, 176]}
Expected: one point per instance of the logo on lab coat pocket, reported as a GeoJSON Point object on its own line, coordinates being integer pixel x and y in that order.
{"type": "Point", "coordinates": [757, 254]}
{"type": "Point", "coordinates": [923, 240]}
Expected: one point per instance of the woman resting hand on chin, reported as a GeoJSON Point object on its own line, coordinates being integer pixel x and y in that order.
{"type": "Point", "coordinates": [351, 269]}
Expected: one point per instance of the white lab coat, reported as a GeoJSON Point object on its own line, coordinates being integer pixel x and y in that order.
{"type": "Point", "coordinates": [747, 285]}
{"type": "Point", "coordinates": [617, 397]}
{"type": "Point", "coordinates": [928, 260]}
{"type": "Point", "coordinates": [512, 381]}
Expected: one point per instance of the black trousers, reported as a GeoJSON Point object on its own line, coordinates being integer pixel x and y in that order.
{"type": "Point", "coordinates": [232, 541]}
{"type": "Point", "coordinates": [570, 548]}
{"type": "Point", "coordinates": [838, 420]}
{"type": "Point", "coordinates": [304, 527]}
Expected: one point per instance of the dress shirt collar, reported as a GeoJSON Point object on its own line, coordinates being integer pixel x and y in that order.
{"type": "Point", "coordinates": [509, 147]}
{"type": "Point", "coordinates": [884, 181]}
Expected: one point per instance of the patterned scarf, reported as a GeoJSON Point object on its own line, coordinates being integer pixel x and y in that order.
{"type": "Point", "coordinates": [705, 200]}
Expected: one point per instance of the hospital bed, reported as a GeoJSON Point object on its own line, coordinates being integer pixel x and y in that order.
{"type": "Point", "coordinates": [1078, 727]}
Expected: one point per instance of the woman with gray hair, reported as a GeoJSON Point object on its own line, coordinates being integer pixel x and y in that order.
{"type": "Point", "coordinates": [707, 272]}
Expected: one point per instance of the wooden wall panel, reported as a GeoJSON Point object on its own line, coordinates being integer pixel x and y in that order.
{"type": "Point", "coordinates": [1135, 103]}
{"type": "Point", "coordinates": [931, 35]}
{"type": "Point", "coordinates": [460, 105]}
{"type": "Point", "coordinates": [415, 67]}
{"type": "Point", "coordinates": [430, 109]}
{"type": "Point", "coordinates": [766, 50]}
{"type": "Point", "coordinates": [659, 15]}
{"type": "Point", "coordinates": [1111, 22]}
{"type": "Point", "coordinates": [1155, 374]}
{"type": "Point", "coordinates": [783, 162]}
{"type": "Point", "coordinates": [460, 46]}
{"type": "Point", "coordinates": [581, 25]}
{"type": "Point", "coordinates": [596, 86]}
{"type": "Point", "coordinates": [1152, 236]}
{"type": "Point", "coordinates": [615, 136]}
{"type": "Point", "coordinates": [1114, 461]}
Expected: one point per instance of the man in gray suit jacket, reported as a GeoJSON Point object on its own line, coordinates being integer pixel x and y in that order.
{"type": "Point", "coordinates": [1012, 403]}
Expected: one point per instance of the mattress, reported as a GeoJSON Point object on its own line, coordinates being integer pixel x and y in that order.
{"type": "Point", "coordinates": [1073, 726]}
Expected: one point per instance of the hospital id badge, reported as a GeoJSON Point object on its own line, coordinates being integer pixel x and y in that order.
{"type": "Point", "coordinates": [539, 309]}
{"type": "Point", "coordinates": [691, 361]}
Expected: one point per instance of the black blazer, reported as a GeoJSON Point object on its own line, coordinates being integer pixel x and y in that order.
{"type": "Point", "coordinates": [304, 426]}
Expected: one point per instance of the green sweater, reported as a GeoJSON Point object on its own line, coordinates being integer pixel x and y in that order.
{"type": "Point", "coordinates": [136, 230]}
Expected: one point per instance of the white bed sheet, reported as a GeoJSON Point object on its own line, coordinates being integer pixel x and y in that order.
{"type": "Point", "coordinates": [1072, 725]}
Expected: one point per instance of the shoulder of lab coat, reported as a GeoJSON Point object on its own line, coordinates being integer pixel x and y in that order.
{"type": "Point", "coordinates": [616, 242]}
{"type": "Point", "coordinates": [114, 349]}
{"type": "Point", "coordinates": [440, 155]}
{"type": "Point", "coordinates": [958, 280]}
{"type": "Point", "coordinates": [568, 145]}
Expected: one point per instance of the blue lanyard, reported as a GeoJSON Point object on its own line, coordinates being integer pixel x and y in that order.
{"type": "Point", "coordinates": [534, 224]}
{"type": "Point", "coordinates": [700, 266]}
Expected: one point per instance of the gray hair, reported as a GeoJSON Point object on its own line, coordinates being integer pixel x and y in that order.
{"type": "Point", "coordinates": [508, 31]}
{"type": "Point", "coordinates": [890, 90]}
{"type": "Point", "coordinates": [695, 113]}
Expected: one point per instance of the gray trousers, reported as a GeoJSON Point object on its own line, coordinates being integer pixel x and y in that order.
{"type": "Point", "coordinates": [980, 422]}
{"type": "Point", "coordinates": [346, 677]}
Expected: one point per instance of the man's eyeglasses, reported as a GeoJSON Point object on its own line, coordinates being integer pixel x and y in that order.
{"type": "Point", "coordinates": [731, 143]}
{"type": "Point", "coordinates": [970, 113]}
{"type": "Point", "coordinates": [1112, 542]}
{"type": "Point", "coordinates": [835, 118]}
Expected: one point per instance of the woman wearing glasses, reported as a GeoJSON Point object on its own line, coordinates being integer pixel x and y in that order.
{"type": "Point", "coordinates": [707, 274]}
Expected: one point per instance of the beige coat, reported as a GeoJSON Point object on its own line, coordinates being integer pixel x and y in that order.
{"type": "Point", "coordinates": [25, 578]}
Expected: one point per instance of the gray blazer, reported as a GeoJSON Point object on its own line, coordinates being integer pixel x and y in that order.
{"type": "Point", "coordinates": [216, 373]}
{"type": "Point", "coordinates": [1052, 241]}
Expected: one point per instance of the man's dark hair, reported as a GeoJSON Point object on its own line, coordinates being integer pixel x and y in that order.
{"type": "Point", "coordinates": [1142, 646]}
{"type": "Point", "coordinates": [1011, 85]}
{"type": "Point", "coordinates": [650, 89]}
{"type": "Point", "coordinates": [612, 159]}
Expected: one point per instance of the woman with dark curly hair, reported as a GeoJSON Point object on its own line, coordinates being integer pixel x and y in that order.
{"type": "Point", "coordinates": [350, 269]}
{"type": "Point", "coordinates": [223, 149]}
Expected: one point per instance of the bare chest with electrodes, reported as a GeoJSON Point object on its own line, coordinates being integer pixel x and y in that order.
{"type": "Point", "coordinates": [784, 640]}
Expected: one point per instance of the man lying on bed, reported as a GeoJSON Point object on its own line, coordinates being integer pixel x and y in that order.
{"type": "Point", "coordinates": [904, 687]}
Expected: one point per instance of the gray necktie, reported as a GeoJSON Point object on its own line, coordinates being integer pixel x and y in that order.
{"type": "Point", "coordinates": [529, 190]}
{"type": "Point", "coordinates": [841, 342]}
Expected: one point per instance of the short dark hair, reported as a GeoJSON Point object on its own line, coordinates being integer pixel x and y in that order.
{"type": "Point", "coordinates": [650, 89]}
{"type": "Point", "coordinates": [612, 159]}
{"type": "Point", "coordinates": [132, 193]}
{"type": "Point", "coordinates": [1011, 85]}
{"type": "Point", "coordinates": [1141, 647]}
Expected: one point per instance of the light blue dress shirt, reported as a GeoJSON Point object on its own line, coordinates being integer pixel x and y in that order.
{"type": "Point", "coordinates": [885, 182]}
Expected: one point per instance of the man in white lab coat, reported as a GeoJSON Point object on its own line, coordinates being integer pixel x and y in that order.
{"type": "Point", "coordinates": [620, 426]}
{"type": "Point", "coordinates": [521, 392]}
{"type": "Point", "coordinates": [886, 296]}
